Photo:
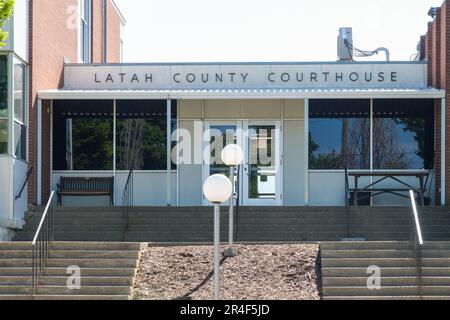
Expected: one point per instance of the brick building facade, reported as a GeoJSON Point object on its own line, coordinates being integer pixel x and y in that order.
{"type": "Point", "coordinates": [54, 41]}
{"type": "Point", "coordinates": [435, 49]}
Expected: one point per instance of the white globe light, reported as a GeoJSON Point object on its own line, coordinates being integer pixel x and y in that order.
{"type": "Point", "coordinates": [232, 155]}
{"type": "Point", "coordinates": [217, 188]}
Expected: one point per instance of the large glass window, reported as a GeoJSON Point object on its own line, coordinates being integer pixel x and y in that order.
{"type": "Point", "coordinates": [85, 31]}
{"type": "Point", "coordinates": [339, 134]}
{"type": "Point", "coordinates": [403, 132]}
{"type": "Point", "coordinates": [3, 136]}
{"type": "Point", "coordinates": [141, 128]}
{"type": "Point", "coordinates": [20, 132]}
{"type": "Point", "coordinates": [83, 135]}
{"type": "Point", "coordinates": [3, 86]}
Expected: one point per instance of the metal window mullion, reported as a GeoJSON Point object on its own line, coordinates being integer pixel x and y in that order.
{"type": "Point", "coordinates": [114, 148]}
{"type": "Point", "coordinates": [306, 126]}
{"type": "Point", "coordinates": [168, 146]}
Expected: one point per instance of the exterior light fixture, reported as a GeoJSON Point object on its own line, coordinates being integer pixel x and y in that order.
{"type": "Point", "coordinates": [232, 155]}
{"type": "Point", "coordinates": [217, 189]}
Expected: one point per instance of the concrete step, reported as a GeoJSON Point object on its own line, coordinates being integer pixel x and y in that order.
{"type": "Point", "coordinates": [386, 291]}
{"type": "Point", "coordinates": [384, 253]}
{"type": "Point", "coordinates": [64, 297]}
{"type": "Point", "coordinates": [385, 281]}
{"type": "Point", "coordinates": [73, 254]}
{"type": "Point", "coordinates": [62, 281]}
{"type": "Point", "coordinates": [383, 262]}
{"type": "Point", "coordinates": [367, 253]}
{"type": "Point", "coordinates": [385, 272]}
{"type": "Point", "coordinates": [82, 263]}
{"type": "Point", "coordinates": [61, 272]}
{"type": "Point", "coordinates": [63, 290]}
{"type": "Point", "coordinates": [17, 245]}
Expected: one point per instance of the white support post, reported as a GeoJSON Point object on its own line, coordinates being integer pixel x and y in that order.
{"type": "Point", "coordinates": [306, 125]}
{"type": "Point", "coordinates": [114, 151]}
{"type": "Point", "coordinates": [169, 163]}
{"type": "Point", "coordinates": [216, 251]}
{"type": "Point", "coordinates": [39, 153]}
{"type": "Point", "coordinates": [443, 151]}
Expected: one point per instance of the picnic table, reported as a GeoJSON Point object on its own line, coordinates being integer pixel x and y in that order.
{"type": "Point", "coordinates": [373, 188]}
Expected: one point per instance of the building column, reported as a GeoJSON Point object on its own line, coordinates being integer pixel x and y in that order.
{"type": "Point", "coordinates": [306, 126]}
{"type": "Point", "coordinates": [443, 167]}
{"type": "Point", "coordinates": [38, 152]}
{"type": "Point", "coordinates": [169, 144]}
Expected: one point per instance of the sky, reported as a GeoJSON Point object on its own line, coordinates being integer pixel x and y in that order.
{"type": "Point", "coordinates": [263, 30]}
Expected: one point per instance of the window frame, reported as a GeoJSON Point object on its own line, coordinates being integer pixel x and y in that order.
{"type": "Point", "coordinates": [24, 122]}
{"type": "Point", "coordinates": [174, 126]}
{"type": "Point", "coordinates": [372, 148]}
{"type": "Point", "coordinates": [7, 118]}
{"type": "Point", "coordinates": [84, 31]}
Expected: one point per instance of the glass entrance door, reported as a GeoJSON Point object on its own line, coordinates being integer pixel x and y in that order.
{"type": "Point", "coordinates": [218, 135]}
{"type": "Point", "coordinates": [260, 174]}
{"type": "Point", "coordinates": [262, 185]}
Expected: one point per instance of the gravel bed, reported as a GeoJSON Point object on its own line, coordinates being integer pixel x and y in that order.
{"type": "Point", "coordinates": [263, 272]}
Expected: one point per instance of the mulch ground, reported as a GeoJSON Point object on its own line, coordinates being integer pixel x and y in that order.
{"type": "Point", "coordinates": [258, 272]}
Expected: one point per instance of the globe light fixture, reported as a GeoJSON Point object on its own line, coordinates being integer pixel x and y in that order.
{"type": "Point", "coordinates": [217, 189]}
{"type": "Point", "coordinates": [232, 155]}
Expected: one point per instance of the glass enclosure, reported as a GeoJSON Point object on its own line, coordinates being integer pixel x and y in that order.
{"type": "Point", "coordinates": [83, 135]}
{"type": "Point", "coordinates": [400, 135]}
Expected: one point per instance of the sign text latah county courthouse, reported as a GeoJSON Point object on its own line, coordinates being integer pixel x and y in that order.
{"type": "Point", "coordinates": [245, 76]}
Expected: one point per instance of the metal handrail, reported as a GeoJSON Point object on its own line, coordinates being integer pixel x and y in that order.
{"type": "Point", "coordinates": [42, 242]}
{"type": "Point", "coordinates": [418, 242]}
{"type": "Point", "coordinates": [127, 200]}
{"type": "Point", "coordinates": [347, 189]}
{"type": "Point", "coordinates": [19, 194]}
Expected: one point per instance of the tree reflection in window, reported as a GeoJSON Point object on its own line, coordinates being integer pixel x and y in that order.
{"type": "Point", "coordinates": [403, 134]}
{"type": "Point", "coordinates": [83, 135]}
{"type": "Point", "coordinates": [141, 134]}
{"type": "Point", "coordinates": [339, 134]}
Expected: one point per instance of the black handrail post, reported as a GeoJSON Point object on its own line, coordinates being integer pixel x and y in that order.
{"type": "Point", "coordinates": [27, 178]}
{"type": "Point", "coordinates": [127, 201]}
{"type": "Point", "coordinates": [41, 244]}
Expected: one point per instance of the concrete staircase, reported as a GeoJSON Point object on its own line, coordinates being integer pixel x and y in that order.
{"type": "Point", "coordinates": [107, 271]}
{"type": "Point", "coordinates": [260, 224]}
{"type": "Point", "coordinates": [344, 270]}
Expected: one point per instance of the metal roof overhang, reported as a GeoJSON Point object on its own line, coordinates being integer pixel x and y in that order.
{"type": "Point", "coordinates": [428, 93]}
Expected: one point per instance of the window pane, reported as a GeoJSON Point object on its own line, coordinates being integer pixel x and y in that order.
{"type": "Point", "coordinates": [403, 134]}
{"type": "Point", "coordinates": [3, 136]}
{"type": "Point", "coordinates": [19, 76]}
{"type": "Point", "coordinates": [141, 134]}
{"type": "Point", "coordinates": [3, 86]}
{"type": "Point", "coordinates": [82, 135]}
{"type": "Point", "coordinates": [339, 134]}
{"type": "Point", "coordinates": [20, 140]}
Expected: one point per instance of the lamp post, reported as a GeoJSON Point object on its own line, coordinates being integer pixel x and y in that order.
{"type": "Point", "coordinates": [232, 155]}
{"type": "Point", "coordinates": [217, 189]}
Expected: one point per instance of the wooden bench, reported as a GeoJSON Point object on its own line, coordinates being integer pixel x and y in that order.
{"type": "Point", "coordinates": [86, 186]}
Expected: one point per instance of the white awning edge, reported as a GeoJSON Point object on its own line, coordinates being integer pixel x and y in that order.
{"type": "Point", "coordinates": [429, 93]}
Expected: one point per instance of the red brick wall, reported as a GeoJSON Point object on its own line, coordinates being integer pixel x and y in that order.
{"type": "Point", "coordinates": [97, 31]}
{"type": "Point", "coordinates": [53, 38]}
{"type": "Point", "coordinates": [113, 34]}
{"type": "Point", "coordinates": [438, 56]}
